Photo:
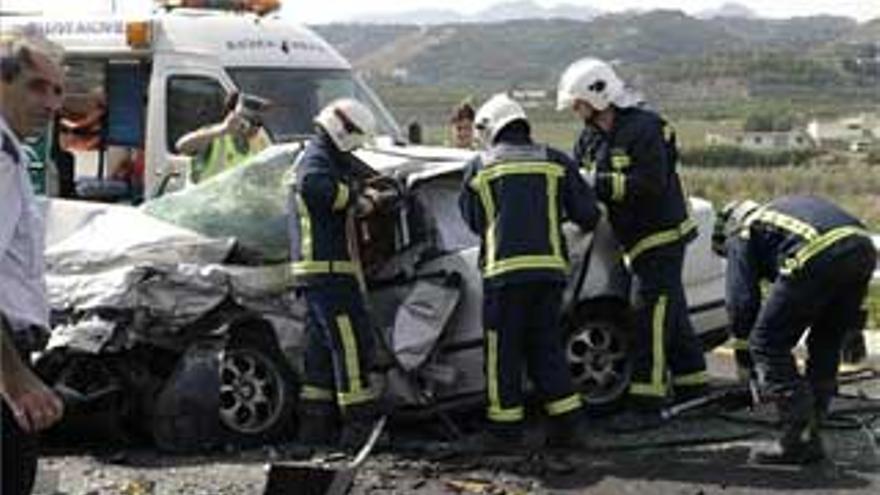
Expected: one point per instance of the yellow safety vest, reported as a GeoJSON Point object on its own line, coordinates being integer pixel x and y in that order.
{"type": "Point", "coordinates": [224, 155]}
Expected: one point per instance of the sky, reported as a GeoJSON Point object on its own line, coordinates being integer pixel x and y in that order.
{"type": "Point", "coordinates": [316, 12]}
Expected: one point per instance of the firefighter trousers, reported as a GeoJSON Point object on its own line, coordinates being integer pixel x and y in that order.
{"type": "Point", "coordinates": [827, 299]}
{"type": "Point", "coordinates": [522, 329]}
{"type": "Point", "coordinates": [339, 347]}
{"type": "Point", "coordinates": [664, 340]}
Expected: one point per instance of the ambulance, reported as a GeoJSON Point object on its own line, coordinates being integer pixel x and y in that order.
{"type": "Point", "coordinates": [135, 85]}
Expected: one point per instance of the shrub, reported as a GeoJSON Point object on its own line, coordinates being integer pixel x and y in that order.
{"type": "Point", "coordinates": [734, 156]}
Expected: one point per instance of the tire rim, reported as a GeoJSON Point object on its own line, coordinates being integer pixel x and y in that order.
{"type": "Point", "coordinates": [251, 391]}
{"type": "Point", "coordinates": [599, 364]}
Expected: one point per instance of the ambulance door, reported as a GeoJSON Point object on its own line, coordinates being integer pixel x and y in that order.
{"type": "Point", "coordinates": [186, 92]}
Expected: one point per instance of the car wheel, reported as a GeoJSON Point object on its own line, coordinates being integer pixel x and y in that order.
{"type": "Point", "coordinates": [257, 393]}
{"type": "Point", "coordinates": [597, 353]}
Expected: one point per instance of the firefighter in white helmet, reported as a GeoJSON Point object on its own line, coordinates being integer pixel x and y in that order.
{"type": "Point", "coordinates": [633, 157]}
{"type": "Point", "coordinates": [515, 196]}
{"type": "Point", "coordinates": [324, 201]}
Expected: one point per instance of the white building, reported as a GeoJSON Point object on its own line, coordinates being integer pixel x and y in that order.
{"type": "Point", "coordinates": [763, 141]}
{"type": "Point", "coordinates": [855, 133]}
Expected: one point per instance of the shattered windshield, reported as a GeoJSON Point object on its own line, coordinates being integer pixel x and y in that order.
{"type": "Point", "coordinates": [297, 95]}
{"type": "Point", "coordinates": [247, 203]}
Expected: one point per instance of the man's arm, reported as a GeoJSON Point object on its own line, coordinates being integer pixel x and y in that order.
{"type": "Point", "coordinates": [197, 141]}
{"type": "Point", "coordinates": [743, 289]}
{"type": "Point", "coordinates": [322, 193]}
{"type": "Point", "coordinates": [10, 201]}
{"type": "Point", "coordinates": [578, 198]}
{"type": "Point", "coordinates": [640, 170]}
{"type": "Point", "coordinates": [581, 150]}
{"type": "Point", "coordinates": [34, 405]}
{"type": "Point", "coordinates": [469, 201]}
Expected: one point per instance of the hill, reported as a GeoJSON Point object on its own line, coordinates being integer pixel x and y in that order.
{"type": "Point", "coordinates": [531, 52]}
{"type": "Point", "coordinates": [500, 12]}
{"type": "Point", "coordinates": [717, 68]}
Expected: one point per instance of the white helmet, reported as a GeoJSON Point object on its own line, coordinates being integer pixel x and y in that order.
{"type": "Point", "coordinates": [731, 220]}
{"type": "Point", "coordinates": [348, 122]}
{"type": "Point", "coordinates": [497, 112]}
{"type": "Point", "coordinates": [591, 80]}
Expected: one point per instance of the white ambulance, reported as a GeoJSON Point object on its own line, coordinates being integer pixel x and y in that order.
{"type": "Point", "coordinates": [148, 81]}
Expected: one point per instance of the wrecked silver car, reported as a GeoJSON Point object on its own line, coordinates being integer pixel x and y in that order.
{"type": "Point", "coordinates": [179, 320]}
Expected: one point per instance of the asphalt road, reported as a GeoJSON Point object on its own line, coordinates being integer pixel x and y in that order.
{"type": "Point", "coordinates": [701, 453]}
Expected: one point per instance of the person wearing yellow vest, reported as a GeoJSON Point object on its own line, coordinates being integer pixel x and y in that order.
{"type": "Point", "coordinates": [220, 147]}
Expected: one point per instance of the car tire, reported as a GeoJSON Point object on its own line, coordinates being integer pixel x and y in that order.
{"type": "Point", "coordinates": [597, 353]}
{"type": "Point", "coordinates": [258, 392]}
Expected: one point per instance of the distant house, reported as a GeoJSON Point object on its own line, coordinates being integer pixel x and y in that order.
{"type": "Point", "coordinates": [853, 133]}
{"type": "Point", "coordinates": [400, 74]}
{"type": "Point", "coordinates": [763, 141]}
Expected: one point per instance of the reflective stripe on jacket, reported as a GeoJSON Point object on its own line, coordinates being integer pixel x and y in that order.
{"type": "Point", "coordinates": [793, 236]}
{"type": "Point", "coordinates": [516, 197]}
{"type": "Point", "coordinates": [319, 203]}
{"type": "Point", "coordinates": [794, 231]}
{"type": "Point", "coordinates": [636, 177]}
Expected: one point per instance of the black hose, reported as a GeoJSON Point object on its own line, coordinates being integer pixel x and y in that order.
{"type": "Point", "coordinates": [706, 440]}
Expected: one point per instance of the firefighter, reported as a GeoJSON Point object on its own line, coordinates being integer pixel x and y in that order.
{"type": "Point", "coordinates": [515, 195]}
{"type": "Point", "coordinates": [324, 202]}
{"type": "Point", "coordinates": [819, 260]}
{"type": "Point", "coordinates": [631, 153]}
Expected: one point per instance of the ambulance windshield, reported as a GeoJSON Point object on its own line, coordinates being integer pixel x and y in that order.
{"type": "Point", "coordinates": [297, 95]}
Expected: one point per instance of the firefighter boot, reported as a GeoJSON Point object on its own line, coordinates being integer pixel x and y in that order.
{"type": "Point", "coordinates": [357, 425]}
{"type": "Point", "coordinates": [568, 431]}
{"type": "Point", "coordinates": [318, 424]}
{"type": "Point", "coordinates": [854, 349]}
{"type": "Point", "coordinates": [800, 442]}
{"type": "Point", "coordinates": [745, 365]}
{"type": "Point", "coordinates": [639, 414]}
{"type": "Point", "coordinates": [494, 441]}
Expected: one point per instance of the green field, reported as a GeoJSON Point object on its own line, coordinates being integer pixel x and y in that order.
{"type": "Point", "coordinates": [855, 187]}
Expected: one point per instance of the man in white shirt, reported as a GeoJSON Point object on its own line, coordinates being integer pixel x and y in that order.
{"type": "Point", "coordinates": [31, 90]}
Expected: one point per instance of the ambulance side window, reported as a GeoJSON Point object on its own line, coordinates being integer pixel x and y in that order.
{"type": "Point", "coordinates": [193, 102]}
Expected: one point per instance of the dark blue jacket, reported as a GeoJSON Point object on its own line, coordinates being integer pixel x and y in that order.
{"type": "Point", "coordinates": [320, 199]}
{"type": "Point", "coordinates": [793, 236]}
{"type": "Point", "coordinates": [516, 196]}
{"type": "Point", "coordinates": [635, 171]}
